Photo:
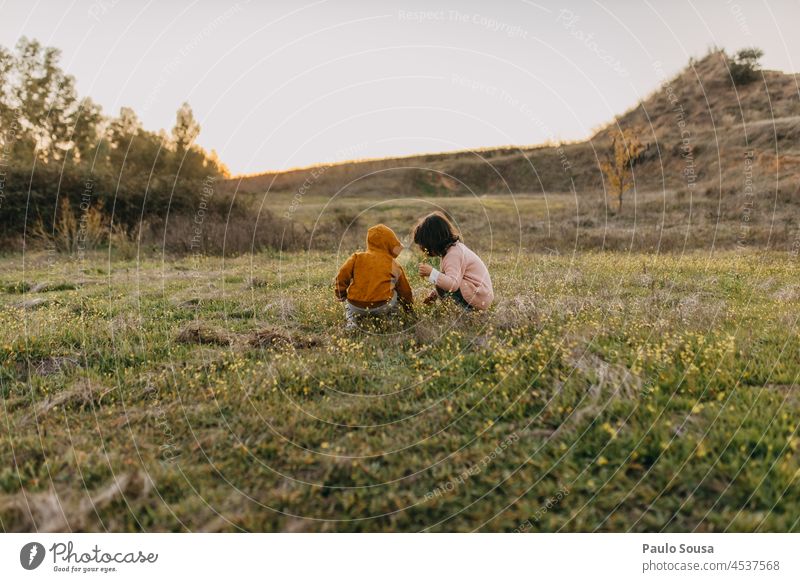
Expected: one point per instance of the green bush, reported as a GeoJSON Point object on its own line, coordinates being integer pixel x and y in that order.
{"type": "Point", "coordinates": [58, 147]}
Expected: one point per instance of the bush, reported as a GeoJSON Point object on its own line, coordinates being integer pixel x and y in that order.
{"type": "Point", "coordinates": [745, 66]}
{"type": "Point", "coordinates": [48, 194]}
{"type": "Point", "coordinates": [69, 171]}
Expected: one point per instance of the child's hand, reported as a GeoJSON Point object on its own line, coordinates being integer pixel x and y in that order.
{"type": "Point", "coordinates": [424, 270]}
{"type": "Point", "coordinates": [433, 296]}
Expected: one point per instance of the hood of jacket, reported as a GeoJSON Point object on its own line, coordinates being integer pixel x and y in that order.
{"type": "Point", "coordinates": [381, 238]}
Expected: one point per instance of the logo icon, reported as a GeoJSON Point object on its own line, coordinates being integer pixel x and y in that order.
{"type": "Point", "coordinates": [31, 555]}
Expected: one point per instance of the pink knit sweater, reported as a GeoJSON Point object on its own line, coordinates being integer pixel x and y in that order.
{"type": "Point", "coordinates": [465, 271]}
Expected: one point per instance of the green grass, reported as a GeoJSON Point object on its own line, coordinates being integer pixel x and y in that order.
{"type": "Point", "coordinates": [604, 391]}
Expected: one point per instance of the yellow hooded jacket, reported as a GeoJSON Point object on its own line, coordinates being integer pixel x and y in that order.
{"type": "Point", "coordinates": [369, 279]}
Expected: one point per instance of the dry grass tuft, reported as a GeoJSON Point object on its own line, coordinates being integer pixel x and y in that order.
{"type": "Point", "coordinates": [283, 308]}
{"type": "Point", "coordinates": [34, 303]}
{"type": "Point", "coordinates": [198, 333]}
{"type": "Point", "coordinates": [192, 303]}
{"type": "Point", "coordinates": [50, 512]}
{"type": "Point", "coordinates": [612, 381]}
{"type": "Point", "coordinates": [52, 365]}
{"type": "Point", "coordinates": [270, 337]}
{"type": "Point", "coordinates": [82, 394]}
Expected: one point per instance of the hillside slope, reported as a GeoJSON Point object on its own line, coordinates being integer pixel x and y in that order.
{"type": "Point", "coordinates": [697, 127]}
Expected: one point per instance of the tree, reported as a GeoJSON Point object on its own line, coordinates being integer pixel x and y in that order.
{"type": "Point", "coordinates": [186, 129]}
{"type": "Point", "coordinates": [6, 66]}
{"type": "Point", "coordinates": [41, 104]}
{"type": "Point", "coordinates": [54, 143]}
{"type": "Point", "coordinates": [86, 124]}
{"type": "Point", "coordinates": [745, 65]}
{"type": "Point", "coordinates": [216, 165]}
{"type": "Point", "coordinates": [624, 149]}
{"type": "Point", "coordinates": [126, 125]}
{"type": "Point", "coordinates": [132, 149]}
{"type": "Point", "coordinates": [120, 135]}
{"type": "Point", "coordinates": [189, 159]}
{"type": "Point", "coordinates": [46, 100]}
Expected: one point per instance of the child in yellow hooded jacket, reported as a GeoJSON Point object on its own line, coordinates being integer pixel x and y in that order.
{"type": "Point", "coordinates": [373, 282]}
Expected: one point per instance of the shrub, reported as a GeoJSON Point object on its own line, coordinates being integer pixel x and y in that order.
{"type": "Point", "coordinates": [70, 233]}
{"type": "Point", "coordinates": [744, 66]}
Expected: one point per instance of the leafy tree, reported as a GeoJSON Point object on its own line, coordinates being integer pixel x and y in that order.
{"type": "Point", "coordinates": [42, 99]}
{"type": "Point", "coordinates": [127, 124]}
{"type": "Point", "coordinates": [86, 127]}
{"type": "Point", "coordinates": [6, 66]}
{"type": "Point", "coordinates": [46, 100]}
{"type": "Point", "coordinates": [191, 161]}
{"type": "Point", "coordinates": [186, 128]}
{"type": "Point", "coordinates": [213, 160]}
{"type": "Point", "coordinates": [58, 146]}
{"type": "Point", "coordinates": [133, 148]}
{"type": "Point", "coordinates": [623, 151]}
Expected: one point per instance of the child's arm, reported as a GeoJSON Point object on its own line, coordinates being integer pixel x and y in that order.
{"type": "Point", "coordinates": [343, 278]}
{"type": "Point", "coordinates": [403, 289]}
{"type": "Point", "coordinates": [449, 278]}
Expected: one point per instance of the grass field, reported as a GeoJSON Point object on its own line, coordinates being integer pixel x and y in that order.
{"type": "Point", "coordinates": [604, 391]}
{"type": "Point", "coordinates": [499, 222]}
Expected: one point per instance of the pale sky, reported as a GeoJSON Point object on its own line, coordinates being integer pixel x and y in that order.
{"type": "Point", "coordinates": [282, 84]}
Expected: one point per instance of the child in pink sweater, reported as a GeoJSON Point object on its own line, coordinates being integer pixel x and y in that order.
{"type": "Point", "coordinates": [463, 276]}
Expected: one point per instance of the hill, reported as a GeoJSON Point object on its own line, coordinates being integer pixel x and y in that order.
{"type": "Point", "coordinates": [714, 149]}
{"type": "Point", "coordinates": [721, 121]}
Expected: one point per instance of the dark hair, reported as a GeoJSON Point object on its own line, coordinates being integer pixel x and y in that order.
{"type": "Point", "coordinates": [435, 234]}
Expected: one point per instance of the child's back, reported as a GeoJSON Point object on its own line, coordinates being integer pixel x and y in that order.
{"type": "Point", "coordinates": [374, 279]}
{"type": "Point", "coordinates": [464, 276]}
{"type": "Point", "coordinates": [464, 271]}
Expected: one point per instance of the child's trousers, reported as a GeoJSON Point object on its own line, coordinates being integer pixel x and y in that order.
{"type": "Point", "coordinates": [455, 296]}
{"type": "Point", "coordinates": [352, 312]}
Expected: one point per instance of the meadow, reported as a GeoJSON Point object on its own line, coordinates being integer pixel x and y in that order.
{"type": "Point", "coordinates": [172, 357]}
{"type": "Point", "coordinates": [605, 391]}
